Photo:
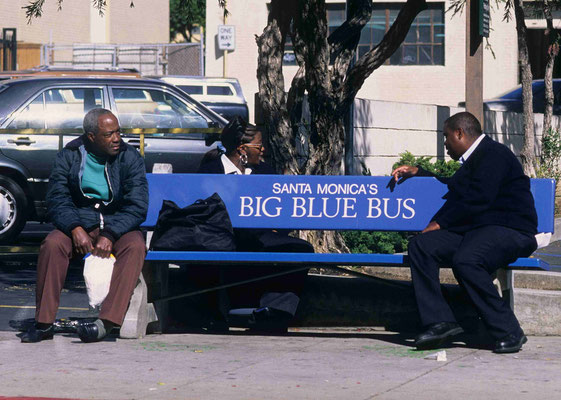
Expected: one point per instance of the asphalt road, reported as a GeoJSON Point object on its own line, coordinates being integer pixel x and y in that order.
{"type": "Point", "coordinates": [17, 285]}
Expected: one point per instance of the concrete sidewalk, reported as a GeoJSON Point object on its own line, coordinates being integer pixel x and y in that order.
{"type": "Point", "coordinates": [305, 364]}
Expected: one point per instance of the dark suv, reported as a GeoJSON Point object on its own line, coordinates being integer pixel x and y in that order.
{"type": "Point", "coordinates": [38, 116]}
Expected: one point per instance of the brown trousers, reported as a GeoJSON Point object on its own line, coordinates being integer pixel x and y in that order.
{"type": "Point", "coordinates": [54, 257]}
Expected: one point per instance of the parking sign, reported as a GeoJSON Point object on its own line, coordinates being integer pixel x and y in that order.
{"type": "Point", "coordinates": [226, 37]}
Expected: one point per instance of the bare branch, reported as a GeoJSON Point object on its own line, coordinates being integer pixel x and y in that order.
{"type": "Point", "coordinates": [345, 38]}
{"type": "Point", "coordinates": [379, 54]}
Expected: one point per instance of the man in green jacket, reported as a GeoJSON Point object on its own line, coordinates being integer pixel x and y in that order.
{"type": "Point", "coordinates": [97, 199]}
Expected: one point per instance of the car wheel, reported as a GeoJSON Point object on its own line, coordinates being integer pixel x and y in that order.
{"type": "Point", "coordinates": [12, 209]}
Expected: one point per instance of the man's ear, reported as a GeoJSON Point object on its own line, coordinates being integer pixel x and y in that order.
{"type": "Point", "coordinates": [90, 136]}
{"type": "Point", "coordinates": [461, 134]}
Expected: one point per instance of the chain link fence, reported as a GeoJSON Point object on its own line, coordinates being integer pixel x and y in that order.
{"type": "Point", "coordinates": [148, 59]}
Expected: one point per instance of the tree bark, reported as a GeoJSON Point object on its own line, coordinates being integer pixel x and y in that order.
{"type": "Point", "coordinates": [527, 154]}
{"type": "Point", "coordinates": [272, 97]}
{"type": "Point", "coordinates": [552, 51]}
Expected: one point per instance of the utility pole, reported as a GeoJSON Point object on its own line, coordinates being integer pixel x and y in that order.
{"type": "Point", "coordinates": [477, 27]}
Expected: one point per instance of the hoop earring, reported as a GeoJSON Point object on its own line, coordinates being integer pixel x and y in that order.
{"type": "Point", "coordinates": [243, 159]}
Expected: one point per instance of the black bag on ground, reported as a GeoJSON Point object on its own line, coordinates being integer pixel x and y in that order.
{"type": "Point", "coordinates": [202, 226]}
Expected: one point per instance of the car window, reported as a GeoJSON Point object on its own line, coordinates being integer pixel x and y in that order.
{"type": "Point", "coordinates": [191, 89]}
{"type": "Point", "coordinates": [154, 108]}
{"type": "Point", "coordinates": [219, 90]}
{"type": "Point", "coordinates": [59, 109]}
{"type": "Point", "coordinates": [31, 117]}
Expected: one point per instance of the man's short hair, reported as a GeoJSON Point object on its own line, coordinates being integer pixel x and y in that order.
{"type": "Point", "coordinates": [465, 120]}
{"type": "Point", "coordinates": [91, 119]}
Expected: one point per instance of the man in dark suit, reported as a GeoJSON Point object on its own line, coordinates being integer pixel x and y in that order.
{"type": "Point", "coordinates": [488, 221]}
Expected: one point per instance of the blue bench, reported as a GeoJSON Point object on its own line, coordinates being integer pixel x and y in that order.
{"type": "Point", "coordinates": [315, 203]}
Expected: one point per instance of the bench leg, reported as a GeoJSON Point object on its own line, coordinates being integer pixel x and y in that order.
{"type": "Point", "coordinates": [139, 313]}
{"type": "Point", "coordinates": [157, 277]}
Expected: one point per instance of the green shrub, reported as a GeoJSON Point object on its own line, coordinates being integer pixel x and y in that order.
{"type": "Point", "coordinates": [439, 167]}
{"type": "Point", "coordinates": [548, 164]}
{"type": "Point", "coordinates": [375, 242]}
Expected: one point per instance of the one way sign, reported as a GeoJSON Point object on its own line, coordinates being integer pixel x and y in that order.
{"type": "Point", "coordinates": [226, 37]}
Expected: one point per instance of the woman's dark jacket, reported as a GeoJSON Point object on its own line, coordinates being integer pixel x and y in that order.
{"type": "Point", "coordinates": [68, 207]}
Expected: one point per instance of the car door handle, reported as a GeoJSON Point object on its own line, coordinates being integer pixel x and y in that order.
{"type": "Point", "coordinates": [21, 141]}
{"type": "Point", "coordinates": [136, 143]}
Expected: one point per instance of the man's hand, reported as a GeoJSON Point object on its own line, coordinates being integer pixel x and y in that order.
{"type": "Point", "coordinates": [103, 247]}
{"type": "Point", "coordinates": [433, 226]}
{"type": "Point", "coordinates": [405, 171]}
{"type": "Point", "coordinates": [82, 242]}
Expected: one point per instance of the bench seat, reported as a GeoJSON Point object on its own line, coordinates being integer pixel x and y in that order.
{"type": "Point", "coordinates": [310, 259]}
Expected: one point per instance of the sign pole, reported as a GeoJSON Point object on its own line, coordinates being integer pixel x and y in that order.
{"type": "Point", "coordinates": [477, 27]}
{"type": "Point", "coordinates": [225, 55]}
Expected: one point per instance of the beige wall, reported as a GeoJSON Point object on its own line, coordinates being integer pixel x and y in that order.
{"type": "Point", "coordinates": [147, 22]}
{"type": "Point", "coordinates": [384, 129]}
{"type": "Point", "coordinates": [442, 85]}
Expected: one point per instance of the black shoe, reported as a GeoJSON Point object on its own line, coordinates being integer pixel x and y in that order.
{"type": "Point", "coordinates": [89, 332]}
{"type": "Point", "coordinates": [511, 343]}
{"type": "Point", "coordinates": [34, 335]}
{"type": "Point", "coordinates": [436, 335]}
{"type": "Point", "coordinates": [270, 320]}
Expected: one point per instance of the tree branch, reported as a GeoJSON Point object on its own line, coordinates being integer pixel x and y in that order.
{"type": "Point", "coordinates": [379, 54]}
{"type": "Point", "coordinates": [345, 38]}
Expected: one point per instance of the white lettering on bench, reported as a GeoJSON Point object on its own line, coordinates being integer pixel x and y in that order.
{"type": "Point", "coordinates": [410, 208]}
{"type": "Point", "coordinates": [248, 209]}
{"type": "Point", "coordinates": [341, 188]}
{"type": "Point", "coordinates": [375, 203]}
{"type": "Point", "coordinates": [304, 207]}
{"type": "Point", "coordinates": [292, 188]}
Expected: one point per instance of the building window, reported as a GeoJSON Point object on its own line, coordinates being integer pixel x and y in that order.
{"type": "Point", "coordinates": [423, 45]}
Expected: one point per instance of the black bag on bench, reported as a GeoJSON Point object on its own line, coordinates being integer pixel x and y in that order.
{"type": "Point", "coordinates": [202, 226]}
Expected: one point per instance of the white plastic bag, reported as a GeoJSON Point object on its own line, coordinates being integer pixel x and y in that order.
{"type": "Point", "coordinates": [97, 274]}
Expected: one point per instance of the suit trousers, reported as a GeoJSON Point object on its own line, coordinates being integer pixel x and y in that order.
{"type": "Point", "coordinates": [54, 256]}
{"type": "Point", "coordinates": [474, 256]}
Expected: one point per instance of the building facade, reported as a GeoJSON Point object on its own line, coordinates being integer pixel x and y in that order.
{"type": "Point", "coordinates": [429, 68]}
{"type": "Point", "coordinates": [80, 22]}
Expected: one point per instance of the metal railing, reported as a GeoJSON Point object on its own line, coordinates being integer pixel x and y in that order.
{"type": "Point", "coordinates": [149, 59]}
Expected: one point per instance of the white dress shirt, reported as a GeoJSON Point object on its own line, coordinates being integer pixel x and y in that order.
{"type": "Point", "coordinates": [471, 149]}
{"type": "Point", "coordinates": [230, 167]}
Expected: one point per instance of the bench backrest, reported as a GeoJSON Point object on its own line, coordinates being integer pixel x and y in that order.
{"type": "Point", "coordinates": [322, 202]}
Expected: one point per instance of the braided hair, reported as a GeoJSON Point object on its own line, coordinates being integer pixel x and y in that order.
{"type": "Point", "coordinates": [236, 133]}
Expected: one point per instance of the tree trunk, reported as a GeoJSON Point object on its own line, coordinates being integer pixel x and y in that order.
{"type": "Point", "coordinates": [318, 148]}
{"type": "Point", "coordinates": [272, 97]}
{"type": "Point", "coordinates": [552, 51]}
{"type": "Point", "coordinates": [527, 154]}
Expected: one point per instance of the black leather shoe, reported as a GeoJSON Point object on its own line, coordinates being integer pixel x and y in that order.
{"type": "Point", "coordinates": [511, 343]}
{"type": "Point", "coordinates": [88, 332]}
{"type": "Point", "coordinates": [34, 335]}
{"type": "Point", "coordinates": [436, 335]}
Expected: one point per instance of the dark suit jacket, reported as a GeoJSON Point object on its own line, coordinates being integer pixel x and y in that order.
{"type": "Point", "coordinates": [490, 188]}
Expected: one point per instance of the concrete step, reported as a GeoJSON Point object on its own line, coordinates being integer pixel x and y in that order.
{"type": "Point", "coordinates": [539, 311]}
{"type": "Point", "coordinates": [540, 280]}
